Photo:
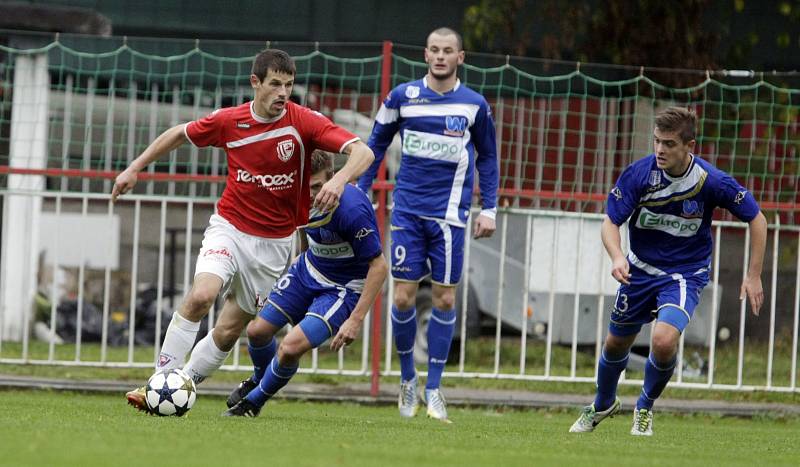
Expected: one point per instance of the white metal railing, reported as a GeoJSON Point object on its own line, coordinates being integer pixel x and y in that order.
{"type": "Point", "coordinates": [519, 252]}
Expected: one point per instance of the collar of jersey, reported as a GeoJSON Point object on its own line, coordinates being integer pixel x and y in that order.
{"type": "Point", "coordinates": [455, 88]}
{"type": "Point", "coordinates": [685, 174]}
{"type": "Point", "coordinates": [266, 120]}
{"type": "Point", "coordinates": [318, 219]}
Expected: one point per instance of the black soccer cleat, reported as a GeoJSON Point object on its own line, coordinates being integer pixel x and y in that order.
{"type": "Point", "coordinates": [239, 393]}
{"type": "Point", "coordinates": [244, 408]}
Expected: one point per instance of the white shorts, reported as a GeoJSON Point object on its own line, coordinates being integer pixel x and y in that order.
{"type": "Point", "coordinates": [248, 265]}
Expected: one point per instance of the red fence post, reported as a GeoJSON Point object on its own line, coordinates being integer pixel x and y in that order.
{"type": "Point", "coordinates": [380, 190]}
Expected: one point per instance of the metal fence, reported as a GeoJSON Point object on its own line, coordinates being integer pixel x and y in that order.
{"type": "Point", "coordinates": [540, 287]}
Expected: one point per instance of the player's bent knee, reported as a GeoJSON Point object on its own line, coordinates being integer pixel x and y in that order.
{"type": "Point", "coordinates": [664, 345]}
{"type": "Point", "coordinates": [445, 302]}
{"type": "Point", "coordinates": [618, 345]}
{"type": "Point", "coordinates": [290, 350]}
{"type": "Point", "coordinates": [404, 301]}
{"type": "Point", "coordinates": [258, 332]}
{"type": "Point", "coordinates": [444, 298]}
{"type": "Point", "coordinates": [198, 302]}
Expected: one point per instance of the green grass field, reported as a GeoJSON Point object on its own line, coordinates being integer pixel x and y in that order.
{"type": "Point", "coordinates": [58, 428]}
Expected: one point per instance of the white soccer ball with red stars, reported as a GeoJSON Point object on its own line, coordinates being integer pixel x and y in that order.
{"type": "Point", "coordinates": [170, 392]}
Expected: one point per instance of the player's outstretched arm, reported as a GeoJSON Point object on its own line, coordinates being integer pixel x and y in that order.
{"type": "Point", "coordinates": [376, 275]}
{"type": "Point", "coordinates": [166, 142]}
{"type": "Point", "coordinates": [612, 241]}
{"type": "Point", "coordinates": [751, 285]}
{"type": "Point", "coordinates": [360, 157]}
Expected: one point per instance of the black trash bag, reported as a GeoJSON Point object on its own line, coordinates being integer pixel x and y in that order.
{"type": "Point", "coordinates": [67, 321]}
{"type": "Point", "coordinates": [145, 323]}
{"type": "Point", "coordinates": [146, 316]}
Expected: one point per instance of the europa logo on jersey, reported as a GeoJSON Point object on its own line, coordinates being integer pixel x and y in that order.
{"type": "Point", "coordinates": [272, 182]}
{"type": "Point", "coordinates": [420, 144]}
{"type": "Point", "coordinates": [330, 250]}
{"type": "Point", "coordinates": [673, 225]}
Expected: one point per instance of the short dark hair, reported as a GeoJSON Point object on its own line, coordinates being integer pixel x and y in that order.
{"type": "Point", "coordinates": [322, 161]}
{"type": "Point", "coordinates": [445, 31]}
{"type": "Point", "coordinates": [275, 60]}
{"type": "Point", "coordinates": [678, 119]}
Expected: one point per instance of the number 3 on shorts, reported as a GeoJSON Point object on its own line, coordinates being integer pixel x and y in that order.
{"type": "Point", "coordinates": [399, 254]}
{"type": "Point", "coordinates": [621, 304]}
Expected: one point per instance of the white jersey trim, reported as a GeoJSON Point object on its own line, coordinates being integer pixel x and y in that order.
{"type": "Point", "coordinates": [652, 270]}
{"type": "Point", "coordinates": [354, 285]}
{"type": "Point", "coordinates": [489, 213]}
{"type": "Point", "coordinates": [272, 134]}
{"type": "Point", "coordinates": [438, 110]}
{"type": "Point", "coordinates": [455, 88]}
{"type": "Point", "coordinates": [457, 188]}
{"type": "Point", "coordinates": [679, 185]}
{"type": "Point", "coordinates": [346, 143]}
{"type": "Point", "coordinates": [386, 115]}
{"type": "Point", "coordinates": [437, 219]}
{"type": "Point", "coordinates": [260, 119]}
{"type": "Point", "coordinates": [186, 134]}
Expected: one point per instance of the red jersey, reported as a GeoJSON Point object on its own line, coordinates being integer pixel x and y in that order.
{"type": "Point", "coordinates": [269, 163]}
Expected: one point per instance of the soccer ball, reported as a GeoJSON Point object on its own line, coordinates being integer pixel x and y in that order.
{"type": "Point", "coordinates": [170, 392]}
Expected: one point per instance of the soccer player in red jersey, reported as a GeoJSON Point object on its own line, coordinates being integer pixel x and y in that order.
{"type": "Point", "coordinates": [268, 143]}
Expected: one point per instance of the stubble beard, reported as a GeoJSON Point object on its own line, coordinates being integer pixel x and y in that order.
{"type": "Point", "coordinates": [440, 76]}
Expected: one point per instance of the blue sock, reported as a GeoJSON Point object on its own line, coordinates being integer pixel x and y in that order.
{"type": "Point", "coordinates": [261, 356]}
{"type": "Point", "coordinates": [274, 379]}
{"type": "Point", "coordinates": [440, 334]}
{"type": "Point", "coordinates": [608, 370]}
{"type": "Point", "coordinates": [404, 328]}
{"type": "Point", "coordinates": [656, 377]}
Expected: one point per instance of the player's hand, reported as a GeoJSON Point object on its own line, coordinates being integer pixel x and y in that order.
{"type": "Point", "coordinates": [347, 333]}
{"type": "Point", "coordinates": [484, 227]}
{"type": "Point", "coordinates": [751, 287]}
{"type": "Point", "coordinates": [620, 270]}
{"type": "Point", "coordinates": [328, 197]}
{"type": "Point", "coordinates": [124, 183]}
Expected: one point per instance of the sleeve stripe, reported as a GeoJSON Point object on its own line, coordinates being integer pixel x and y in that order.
{"type": "Point", "coordinates": [341, 149]}
{"type": "Point", "coordinates": [386, 115]}
{"type": "Point", "coordinates": [186, 133]}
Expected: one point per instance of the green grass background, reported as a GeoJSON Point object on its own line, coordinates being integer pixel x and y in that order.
{"type": "Point", "coordinates": [66, 429]}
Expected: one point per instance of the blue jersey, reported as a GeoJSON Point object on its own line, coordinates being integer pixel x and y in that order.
{"type": "Point", "coordinates": [670, 226]}
{"type": "Point", "coordinates": [342, 242]}
{"type": "Point", "coordinates": [440, 135]}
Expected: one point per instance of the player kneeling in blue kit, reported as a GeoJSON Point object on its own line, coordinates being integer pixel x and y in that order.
{"type": "Point", "coordinates": [326, 292]}
{"type": "Point", "coordinates": [669, 197]}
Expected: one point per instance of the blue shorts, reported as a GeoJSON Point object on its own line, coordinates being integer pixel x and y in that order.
{"type": "Point", "coordinates": [303, 297]}
{"type": "Point", "coordinates": [670, 298]}
{"type": "Point", "coordinates": [418, 242]}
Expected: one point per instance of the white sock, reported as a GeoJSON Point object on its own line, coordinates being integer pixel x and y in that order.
{"type": "Point", "coordinates": [178, 341]}
{"type": "Point", "coordinates": [205, 359]}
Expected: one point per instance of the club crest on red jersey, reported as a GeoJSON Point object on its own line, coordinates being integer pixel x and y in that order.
{"type": "Point", "coordinates": [285, 150]}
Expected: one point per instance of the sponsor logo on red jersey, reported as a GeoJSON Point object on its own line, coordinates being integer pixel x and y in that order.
{"type": "Point", "coordinates": [269, 181]}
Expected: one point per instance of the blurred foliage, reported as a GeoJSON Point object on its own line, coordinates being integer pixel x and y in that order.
{"type": "Point", "coordinates": [695, 34]}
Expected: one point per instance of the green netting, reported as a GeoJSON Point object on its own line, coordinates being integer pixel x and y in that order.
{"type": "Point", "coordinates": [563, 139]}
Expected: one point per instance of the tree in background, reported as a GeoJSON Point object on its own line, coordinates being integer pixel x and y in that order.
{"type": "Point", "coordinates": [498, 26]}
{"type": "Point", "coordinates": [676, 34]}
